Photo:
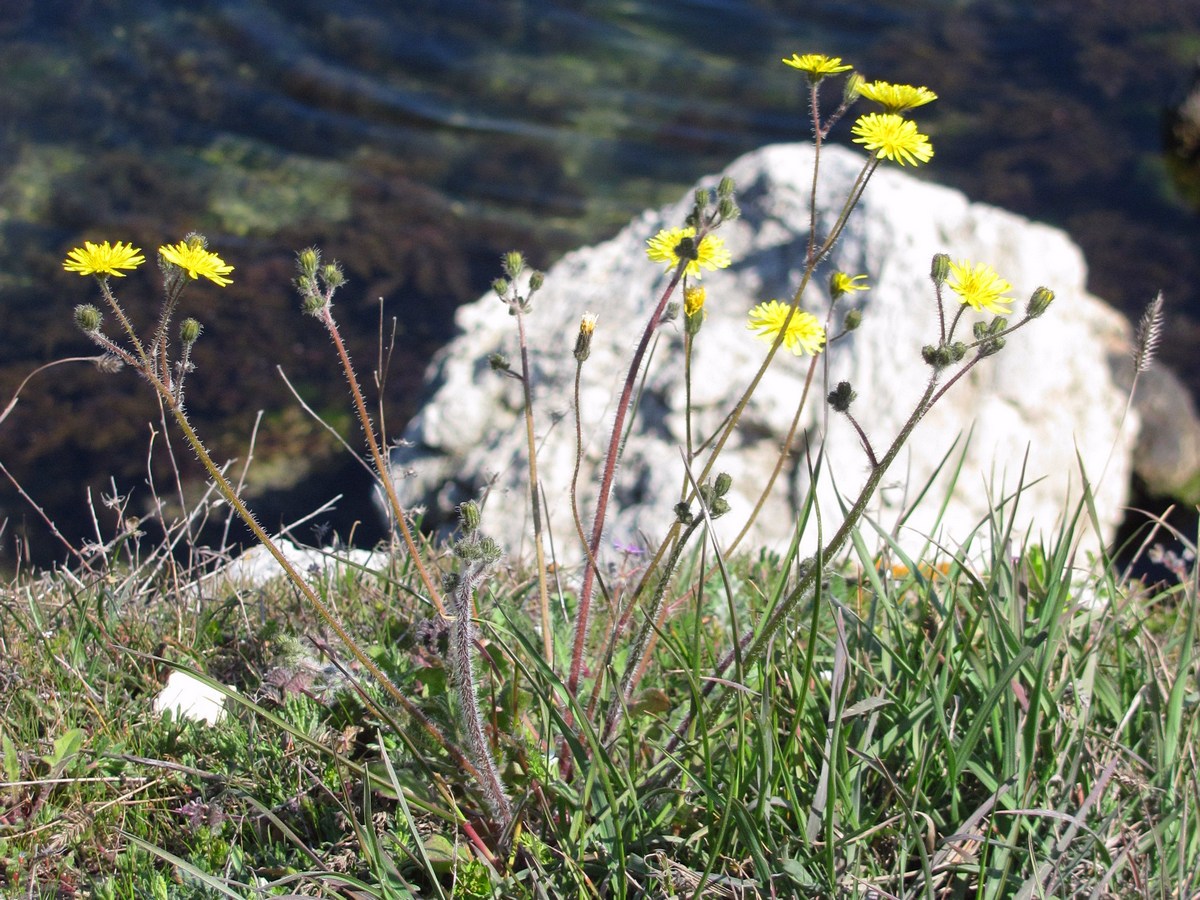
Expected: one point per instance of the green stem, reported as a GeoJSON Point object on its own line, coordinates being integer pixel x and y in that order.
{"type": "Point", "coordinates": [534, 493]}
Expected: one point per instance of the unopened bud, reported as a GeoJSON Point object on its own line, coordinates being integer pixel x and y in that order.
{"type": "Point", "coordinates": [718, 507]}
{"type": "Point", "coordinates": [469, 517]}
{"type": "Point", "coordinates": [536, 280]}
{"type": "Point", "coordinates": [683, 514]}
{"type": "Point", "coordinates": [583, 340]}
{"type": "Point", "coordinates": [841, 397]}
{"type": "Point", "coordinates": [499, 362]}
{"type": "Point", "coordinates": [700, 200]}
{"type": "Point", "coordinates": [853, 319]}
{"type": "Point", "coordinates": [189, 331]}
{"type": "Point", "coordinates": [726, 188]}
{"type": "Point", "coordinates": [500, 286]}
{"type": "Point", "coordinates": [991, 346]}
{"type": "Point", "coordinates": [313, 303]}
{"type": "Point", "coordinates": [723, 483]}
{"type": "Point", "coordinates": [939, 269]}
{"type": "Point", "coordinates": [88, 318]}
{"type": "Point", "coordinates": [670, 314]}
{"type": "Point", "coordinates": [332, 276]}
{"type": "Point", "coordinates": [307, 261]}
{"type": "Point", "coordinates": [850, 90]}
{"type": "Point", "coordinates": [727, 209]}
{"type": "Point", "coordinates": [1039, 302]}
{"type": "Point", "coordinates": [512, 263]}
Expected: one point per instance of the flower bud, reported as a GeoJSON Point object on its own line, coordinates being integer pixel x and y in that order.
{"type": "Point", "coordinates": [841, 397]}
{"type": "Point", "coordinates": [727, 209]}
{"type": "Point", "coordinates": [853, 319]}
{"type": "Point", "coordinates": [683, 514]}
{"type": "Point", "coordinates": [536, 280]}
{"type": "Point", "coordinates": [499, 362]}
{"type": "Point", "coordinates": [1039, 302]}
{"type": "Point", "coordinates": [500, 286]}
{"type": "Point", "coordinates": [189, 330]}
{"type": "Point", "coordinates": [512, 263]}
{"type": "Point", "coordinates": [469, 517]}
{"type": "Point", "coordinates": [670, 314]}
{"type": "Point", "coordinates": [307, 261]}
{"type": "Point", "coordinates": [726, 188]}
{"type": "Point", "coordinates": [939, 269]}
{"type": "Point", "coordinates": [718, 507]}
{"type": "Point", "coordinates": [332, 276]}
{"type": "Point", "coordinates": [700, 200]}
{"type": "Point", "coordinates": [723, 483]}
{"type": "Point", "coordinates": [88, 318]}
{"type": "Point", "coordinates": [850, 89]}
{"type": "Point", "coordinates": [312, 304]}
{"type": "Point", "coordinates": [583, 340]}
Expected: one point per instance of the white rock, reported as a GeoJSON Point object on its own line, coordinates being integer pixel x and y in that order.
{"type": "Point", "coordinates": [1047, 398]}
{"type": "Point", "coordinates": [188, 697]}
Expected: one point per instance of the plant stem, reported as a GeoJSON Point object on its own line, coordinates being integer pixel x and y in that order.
{"type": "Point", "coordinates": [381, 466]}
{"type": "Point", "coordinates": [606, 479]}
{"type": "Point", "coordinates": [534, 493]}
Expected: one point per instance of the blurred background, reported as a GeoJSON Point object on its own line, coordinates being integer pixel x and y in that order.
{"type": "Point", "coordinates": [416, 141]}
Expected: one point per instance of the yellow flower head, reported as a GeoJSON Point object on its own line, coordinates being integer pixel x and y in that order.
{"type": "Point", "coordinates": [840, 283]}
{"type": "Point", "coordinates": [196, 261]}
{"type": "Point", "coordinates": [587, 323]}
{"type": "Point", "coordinates": [896, 98]}
{"type": "Point", "coordinates": [804, 333]}
{"type": "Point", "coordinates": [693, 299]}
{"type": "Point", "coordinates": [892, 137]}
{"type": "Point", "coordinates": [817, 65]}
{"type": "Point", "coordinates": [979, 287]}
{"type": "Point", "coordinates": [103, 259]}
{"type": "Point", "coordinates": [678, 245]}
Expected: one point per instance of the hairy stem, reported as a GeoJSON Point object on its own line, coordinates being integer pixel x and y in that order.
{"type": "Point", "coordinates": [381, 466]}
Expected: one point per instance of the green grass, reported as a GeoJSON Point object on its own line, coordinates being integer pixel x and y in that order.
{"type": "Point", "coordinates": [987, 725]}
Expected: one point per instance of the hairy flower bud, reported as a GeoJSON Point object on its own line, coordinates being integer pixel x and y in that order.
{"type": "Point", "coordinates": [583, 340]}
{"type": "Point", "coordinates": [536, 280]}
{"type": "Point", "coordinates": [841, 397]}
{"type": "Point", "coordinates": [726, 188]}
{"type": "Point", "coordinates": [189, 331]}
{"type": "Point", "coordinates": [723, 483]}
{"type": "Point", "coordinates": [469, 517]}
{"type": "Point", "coordinates": [853, 319]}
{"type": "Point", "coordinates": [1039, 302]}
{"type": "Point", "coordinates": [307, 261]}
{"type": "Point", "coordinates": [332, 276]}
{"type": "Point", "coordinates": [939, 269]}
{"type": "Point", "coordinates": [88, 318]}
{"type": "Point", "coordinates": [512, 263]}
{"type": "Point", "coordinates": [500, 286]}
{"type": "Point", "coordinates": [727, 209]}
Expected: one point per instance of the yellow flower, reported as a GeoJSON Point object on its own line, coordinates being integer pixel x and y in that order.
{"type": "Point", "coordinates": [693, 299]}
{"type": "Point", "coordinates": [817, 65]}
{"type": "Point", "coordinates": [103, 259]}
{"type": "Point", "coordinates": [840, 283]}
{"type": "Point", "coordinates": [587, 323]}
{"type": "Point", "coordinates": [980, 287]}
{"type": "Point", "coordinates": [195, 260]}
{"type": "Point", "coordinates": [804, 333]}
{"type": "Point", "coordinates": [896, 98]}
{"type": "Point", "coordinates": [677, 245]}
{"type": "Point", "coordinates": [892, 137]}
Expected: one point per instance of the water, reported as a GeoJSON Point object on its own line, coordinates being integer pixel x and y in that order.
{"type": "Point", "coordinates": [418, 141]}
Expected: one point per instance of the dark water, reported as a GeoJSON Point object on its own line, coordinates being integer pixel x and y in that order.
{"type": "Point", "coordinates": [416, 141]}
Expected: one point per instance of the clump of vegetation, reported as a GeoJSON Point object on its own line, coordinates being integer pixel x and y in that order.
{"type": "Point", "coordinates": [737, 724]}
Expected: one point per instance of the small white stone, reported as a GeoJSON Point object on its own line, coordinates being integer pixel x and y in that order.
{"type": "Point", "coordinates": [189, 698]}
